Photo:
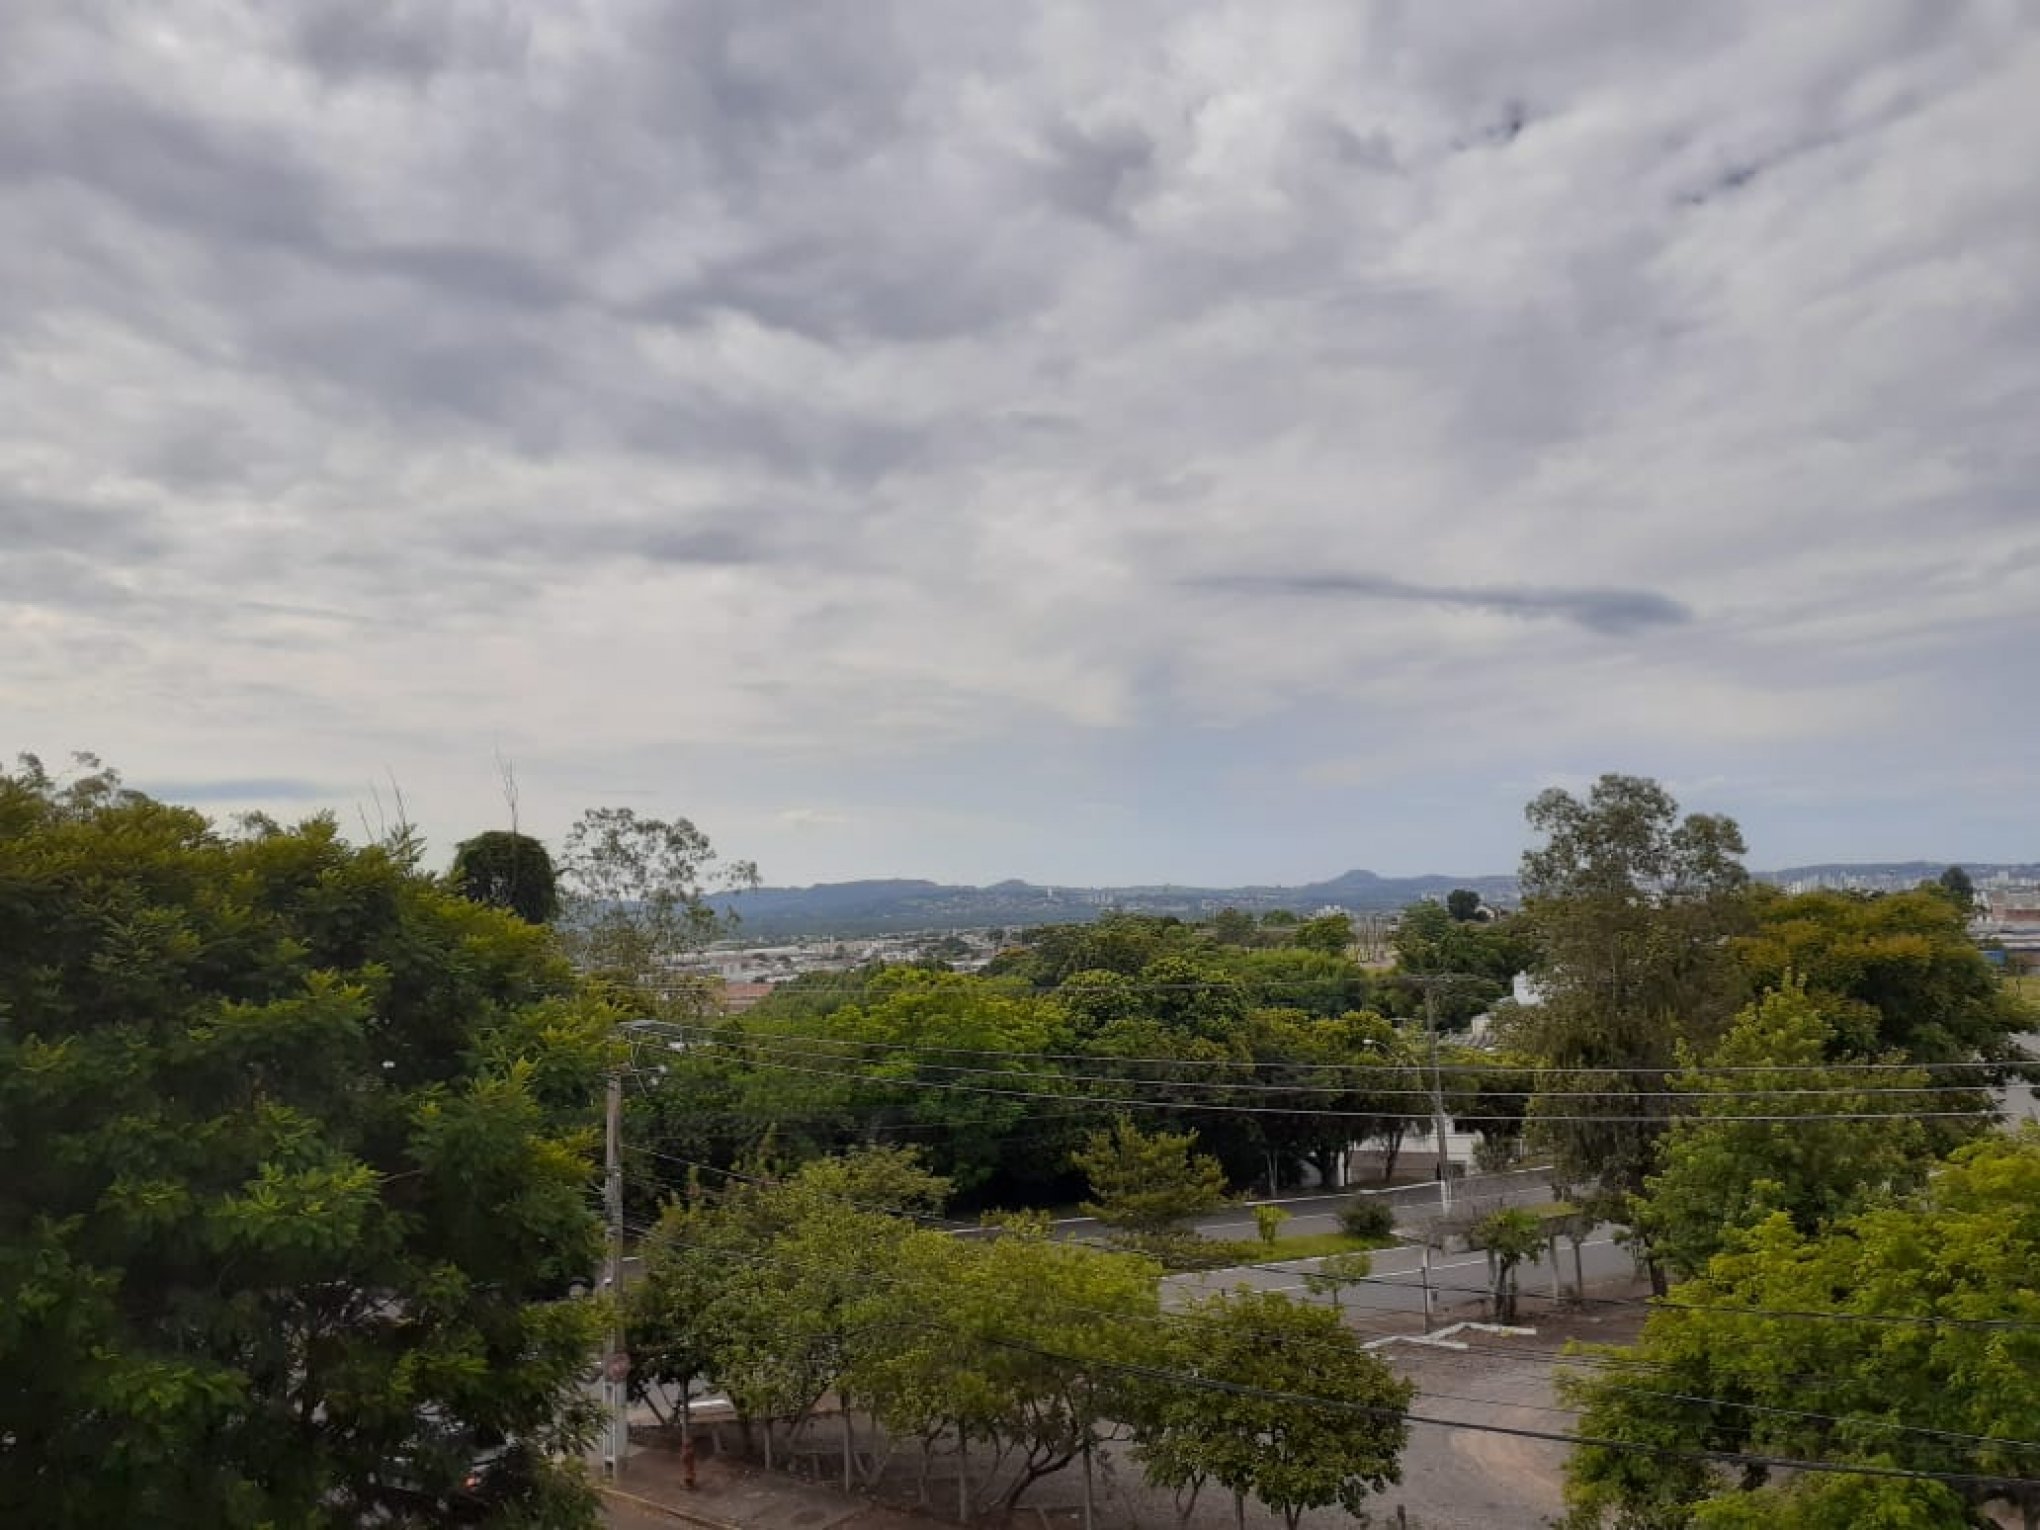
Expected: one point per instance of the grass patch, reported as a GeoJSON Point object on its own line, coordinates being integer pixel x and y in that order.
{"type": "Point", "coordinates": [1302, 1246]}
{"type": "Point", "coordinates": [2025, 985]}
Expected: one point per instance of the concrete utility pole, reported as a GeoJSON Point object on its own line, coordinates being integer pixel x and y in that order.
{"type": "Point", "coordinates": [1437, 1101]}
{"type": "Point", "coordinates": [615, 1358]}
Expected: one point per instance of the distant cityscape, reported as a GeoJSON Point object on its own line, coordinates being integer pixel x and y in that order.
{"type": "Point", "coordinates": [849, 910]}
{"type": "Point", "coordinates": [785, 932]}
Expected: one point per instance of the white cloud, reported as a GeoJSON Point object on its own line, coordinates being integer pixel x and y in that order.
{"type": "Point", "coordinates": [1021, 431]}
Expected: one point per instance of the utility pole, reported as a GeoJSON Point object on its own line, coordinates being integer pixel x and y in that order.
{"type": "Point", "coordinates": [615, 1358]}
{"type": "Point", "coordinates": [1437, 1099]}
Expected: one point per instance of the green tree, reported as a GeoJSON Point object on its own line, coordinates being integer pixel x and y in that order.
{"type": "Point", "coordinates": [1239, 1418]}
{"type": "Point", "coordinates": [507, 870]}
{"type": "Point", "coordinates": [1231, 927]}
{"type": "Point", "coordinates": [298, 1148]}
{"type": "Point", "coordinates": [1632, 906]}
{"type": "Point", "coordinates": [1922, 1352]}
{"type": "Point", "coordinates": [1837, 1503]}
{"type": "Point", "coordinates": [761, 1286]}
{"type": "Point", "coordinates": [1146, 1185]}
{"type": "Point", "coordinates": [1463, 904]}
{"type": "Point", "coordinates": [1330, 933]}
{"type": "Point", "coordinates": [1508, 1237]}
{"type": "Point", "coordinates": [1954, 884]}
{"type": "Point", "coordinates": [1268, 1222]}
{"type": "Point", "coordinates": [1897, 973]}
{"type": "Point", "coordinates": [1331, 1275]}
{"type": "Point", "coordinates": [1732, 1163]}
{"type": "Point", "coordinates": [897, 1055]}
{"type": "Point", "coordinates": [1480, 958]}
{"type": "Point", "coordinates": [640, 892]}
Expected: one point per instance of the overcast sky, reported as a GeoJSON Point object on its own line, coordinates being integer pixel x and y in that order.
{"type": "Point", "coordinates": [1105, 442]}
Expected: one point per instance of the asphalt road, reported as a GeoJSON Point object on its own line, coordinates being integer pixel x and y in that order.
{"type": "Point", "coordinates": [1319, 1213]}
{"type": "Point", "coordinates": [1396, 1283]}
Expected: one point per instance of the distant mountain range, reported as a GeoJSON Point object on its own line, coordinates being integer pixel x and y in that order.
{"type": "Point", "coordinates": [899, 906]}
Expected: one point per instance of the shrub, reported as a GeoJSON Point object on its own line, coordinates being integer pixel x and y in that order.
{"type": "Point", "coordinates": [1367, 1217]}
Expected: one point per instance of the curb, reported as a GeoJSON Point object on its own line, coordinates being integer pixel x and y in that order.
{"type": "Point", "coordinates": [684, 1516]}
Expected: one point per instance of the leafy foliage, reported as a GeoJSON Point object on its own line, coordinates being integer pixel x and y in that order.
{"type": "Point", "coordinates": [1367, 1216]}
{"type": "Point", "coordinates": [1147, 1184]}
{"type": "Point", "coordinates": [1249, 1429]}
{"type": "Point", "coordinates": [507, 870]}
{"type": "Point", "coordinates": [1724, 1172]}
{"type": "Point", "coordinates": [1507, 1236]}
{"type": "Point", "coordinates": [1632, 905]}
{"type": "Point", "coordinates": [1893, 1388]}
{"type": "Point", "coordinates": [640, 891]}
{"type": "Point", "coordinates": [298, 1148]}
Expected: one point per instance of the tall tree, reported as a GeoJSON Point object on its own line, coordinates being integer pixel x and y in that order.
{"type": "Point", "coordinates": [1956, 886]}
{"type": "Point", "coordinates": [641, 892]}
{"type": "Point", "coordinates": [1632, 905]}
{"type": "Point", "coordinates": [1463, 904]}
{"type": "Point", "coordinates": [298, 1147]}
{"type": "Point", "coordinates": [506, 869]}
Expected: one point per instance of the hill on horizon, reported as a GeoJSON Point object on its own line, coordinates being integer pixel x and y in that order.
{"type": "Point", "coordinates": [903, 905]}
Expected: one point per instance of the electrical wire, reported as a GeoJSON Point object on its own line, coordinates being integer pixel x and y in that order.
{"type": "Point", "coordinates": [806, 1048]}
{"type": "Point", "coordinates": [1652, 1304]}
{"type": "Point", "coordinates": [714, 1031]}
{"type": "Point", "coordinates": [776, 1062]}
{"type": "Point", "coordinates": [1374, 1410]}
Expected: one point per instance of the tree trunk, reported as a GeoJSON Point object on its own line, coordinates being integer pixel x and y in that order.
{"type": "Point", "coordinates": [1239, 1510]}
{"type": "Point", "coordinates": [1659, 1285]}
{"type": "Point", "coordinates": [1274, 1178]}
{"type": "Point", "coordinates": [1579, 1271]}
{"type": "Point", "coordinates": [768, 1444]}
{"type": "Point", "coordinates": [849, 1438]}
{"type": "Point", "coordinates": [1391, 1150]}
{"type": "Point", "coordinates": [962, 1475]}
{"type": "Point", "coordinates": [1087, 1486]}
{"type": "Point", "coordinates": [1430, 1313]}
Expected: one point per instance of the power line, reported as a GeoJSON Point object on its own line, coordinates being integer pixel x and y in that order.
{"type": "Point", "coordinates": [776, 1061]}
{"type": "Point", "coordinates": [1621, 1365]}
{"type": "Point", "coordinates": [1485, 1070]}
{"type": "Point", "coordinates": [1652, 1304]}
{"type": "Point", "coordinates": [1188, 1379]}
{"type": "Point", "coordinates": [804, 1047]}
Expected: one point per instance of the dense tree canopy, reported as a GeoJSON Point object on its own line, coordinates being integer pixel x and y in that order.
{"type": "Point", "coordinates": [298, 1151]}
{"type": "Point", "coordinates": [1897, 972]}
{"type": "Point", "coordinates": [507, 870]}
{"type": "Point", "coordinates": [1906, 1335]}
{"type": "Point", "coordinates": [1732, 1162]}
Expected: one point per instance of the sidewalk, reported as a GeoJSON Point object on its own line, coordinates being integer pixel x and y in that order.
{"type": "Point", "coordinates": [733, 1495]}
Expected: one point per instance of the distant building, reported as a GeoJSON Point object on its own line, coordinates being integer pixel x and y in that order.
{"type": "Point", "coordinates": [735, 998]}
